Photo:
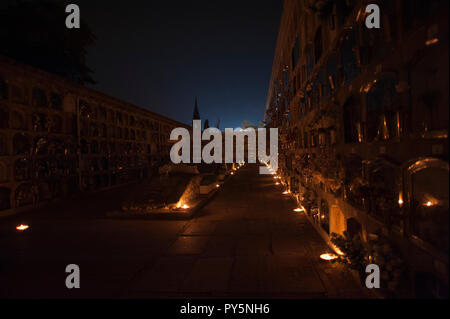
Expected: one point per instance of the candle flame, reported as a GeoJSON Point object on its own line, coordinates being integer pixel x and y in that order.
{"type": "Point", "coordinates": [400, 199]}
{"type": "Point", "coordinates": [328, 256]}
{"type": "Point", "coordinates": [338, 251]}
{"type": "Point", "coordinates": [22, 227]}
{"type": "Point", "coordinates": [182, 205]}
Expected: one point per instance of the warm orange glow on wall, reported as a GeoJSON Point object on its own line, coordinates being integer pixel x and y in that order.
{"type": "Point", "coordinates": [432, 41]}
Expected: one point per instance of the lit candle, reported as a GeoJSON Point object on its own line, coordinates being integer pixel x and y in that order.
{"type": "Point", "coordinates": [22, 227]}
{"type": "Point", "coordinates": [328, 256]}
{"type": "Point", "coordinates": [400, 200]}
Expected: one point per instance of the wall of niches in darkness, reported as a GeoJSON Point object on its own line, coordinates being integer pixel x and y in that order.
{"type": "Point", "coordinates": [363, 122]}
{"type": "Point", "coordinates": [57, 139]}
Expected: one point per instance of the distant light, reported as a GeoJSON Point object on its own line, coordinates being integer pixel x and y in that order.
{"type": "Point", "coordinates": [22, 227]}
{"type": "Point", "coordinates": [285, 192]}
{"type": "Point", "coordinates": [299, 209]}
{"type": "Point", "coordinates": [277, 183]}
{"type": "Point", "coordinates": [328, 256]}
{"type": "Point", "coordinates": [232, 173]}
{"type": "Point", "coordinates": [429, 204]}
{"type": "Point", "coordinates": [185, 206]}
{"type": "Point", "coordinates": [217, 185]}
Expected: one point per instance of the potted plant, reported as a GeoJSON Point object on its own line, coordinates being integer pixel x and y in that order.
{"type": "Point", "coordinates": [354, 253]}
{"type": "Point", "coordinates": [393, 269]}
{"type": "Point", "coordinates": [377, 250]}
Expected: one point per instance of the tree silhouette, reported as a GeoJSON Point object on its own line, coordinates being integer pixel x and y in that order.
{"type": "Point", "coordinates": [34, 32]}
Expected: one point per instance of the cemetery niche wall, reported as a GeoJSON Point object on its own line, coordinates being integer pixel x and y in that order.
{"type": "Point", "coordinates": [58, 139]}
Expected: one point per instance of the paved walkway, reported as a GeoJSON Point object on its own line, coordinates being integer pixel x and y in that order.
{"type": "Point", "coordinates": [247, 242]}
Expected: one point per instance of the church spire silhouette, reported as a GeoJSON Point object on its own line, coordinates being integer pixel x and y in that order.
{"type": "Point", "coordinates": [196, 115]}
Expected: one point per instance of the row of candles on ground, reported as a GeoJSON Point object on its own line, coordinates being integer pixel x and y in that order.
{"type": "Point", "coordinates": [22, 227]}
{"type": "Point", "coordinates": [325, 256]}
{"type": "Point", "coordinates": [286, 192]}
{"type": "Point", "coordinates": [234, 169]}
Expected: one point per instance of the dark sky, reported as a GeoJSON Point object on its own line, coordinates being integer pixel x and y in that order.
{"type": "Point", "coordinates": [161, 54]}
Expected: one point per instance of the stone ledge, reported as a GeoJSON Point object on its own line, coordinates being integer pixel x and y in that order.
{"type": "Point", "coordinates": [177, 214]}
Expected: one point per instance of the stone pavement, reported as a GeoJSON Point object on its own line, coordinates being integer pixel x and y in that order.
{"type": "Point", "coordinates": [247, 242]}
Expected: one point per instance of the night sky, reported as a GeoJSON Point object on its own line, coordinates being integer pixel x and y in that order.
{"type": "Point", "coordinates": [159, 55]}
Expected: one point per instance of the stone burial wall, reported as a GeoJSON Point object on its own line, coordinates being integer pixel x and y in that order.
{"type": "Point", "coordinates": [58, 138]}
